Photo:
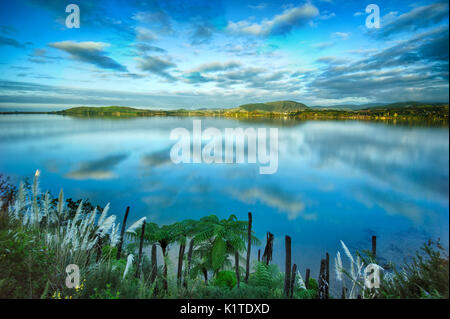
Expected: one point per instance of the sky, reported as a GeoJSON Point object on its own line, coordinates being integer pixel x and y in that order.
{"type": "Point", "coordinates": [217, 54]}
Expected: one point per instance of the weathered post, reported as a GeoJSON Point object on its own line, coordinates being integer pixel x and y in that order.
{"type": "Point", "coordinates": [259, 255]}
{"type": "Point", "coordinates": [205, 274]}
{"type": "Point", "coordinates": [164, 250]}
{"type": "Point", "coordinates": [287, 273]}
{"type": "Point", "coordinates": [308, 273]}
{"type": "Point", "coordinates": [344, 293]}
{"type": "Point", "coordinates": [374, 247]}
{"type": "Point", "coordinates": [327, 275]}
{"type": "Point", "coordinates": [294, 272]}
{"type": "Point", "coordinates": [141, 244]}
{"type": "Point", "coordinates": [122, 231]}
{"type": "Point", "coordinates": [189, 258]}
{"type": "Point", "coordinates": [267, 256]}
{"type": "Point", "coordinates": [154, 264]}
{"type": "Point", "coordinates": [180, 263]}
{"type": "Point", "coordinates": [321, 281]}
{"type": "Point", "coordinates": [236, 265]}
{"type": "Point", "coordinates": [249, 247]}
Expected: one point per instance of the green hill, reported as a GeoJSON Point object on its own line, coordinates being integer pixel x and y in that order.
{"type": "Point", "coordinates": [401, 105]}
{"type": "Point", "coordinates": [105, 110]}
{"type": "Point", "coordinates": [436, 112]}
{"type": "Point", "coordinates": [277, 106]}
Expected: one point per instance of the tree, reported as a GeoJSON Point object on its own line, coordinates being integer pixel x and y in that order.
{"type": "Point", "coordinates": [7, 191]}
{"type": "Point", "coordinates": [165, 236]}
{"type": "Point", "coordinates": [221, 239]}
{"type": "Point", "coordinates": [183, 230]}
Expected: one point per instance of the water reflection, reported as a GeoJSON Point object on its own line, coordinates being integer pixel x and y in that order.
{"type": "Point", "coordinates": [102, 168]}
{"type": "Point", "coordinates": [335, 180]}
{"type": "Point", "coordinates": [274, 198]}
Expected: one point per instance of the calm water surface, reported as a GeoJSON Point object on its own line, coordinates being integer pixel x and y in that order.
{"type": "Point", "coordinates": [335, 180]}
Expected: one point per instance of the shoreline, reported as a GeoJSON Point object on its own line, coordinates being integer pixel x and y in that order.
{"type": "Point", "coordinates": [310, 116]}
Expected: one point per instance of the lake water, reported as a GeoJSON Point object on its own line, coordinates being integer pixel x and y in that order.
{"type": "Point", "coordinates": [336, 180]}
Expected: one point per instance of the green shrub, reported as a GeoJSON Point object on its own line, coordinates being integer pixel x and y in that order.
{"type": "Point", "coordinates": [26, 265]}
{"type": "Point", "coordinates": [313, 285]}
{"type": "Point", "coordinates": [426, 276]}
{"type": "Point", "coordinates": [243, 292]}
{"type": "Point", "coordinates": [225, 278]}
{"type": "Point", "coordinates": [105, 293]}
{"type": "Point", "coordinates": [109, 251]}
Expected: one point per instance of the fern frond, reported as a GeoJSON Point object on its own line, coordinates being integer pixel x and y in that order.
{"type": "Point", "coordinates": [300, 281]}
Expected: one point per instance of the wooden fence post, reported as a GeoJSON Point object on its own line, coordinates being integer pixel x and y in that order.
{"type": "Point", "coordinates": [267, 256]}
{"type": "Point", "coordinates": [180, 263]}
{"type": "Point", "coordinates": [308, 273]}
{"type": "Point", "coordinates": [287, 273]}
{"type": "Point", "coordinates": [141, 243]}
{"type": "Point", "coordinates": [236, 265]}
{"type": "Point", "coordinates": [154, 264]}
{"type": "Point", "coordinates": [322, 279]}
{"type": "Point", "coordinates": [294, 272]}
{"type": "Point", "coordinates": [344, 293]}
{"type": "Point", "coordinates": [187, 269]}
{"type": "Point", "coordinates": [122, 231]}
{"type": "Point", "coordinates": [327, 275]}
{"type": "Point", "coordinates": [249, 247]}
{"type": "Point", "coordinates": [374, 247]}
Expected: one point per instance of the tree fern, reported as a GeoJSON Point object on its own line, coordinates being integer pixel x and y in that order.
{"type": "Point", "coordinates": [218, 253]}
{"type": "Point", "coordinates": [262, 276]}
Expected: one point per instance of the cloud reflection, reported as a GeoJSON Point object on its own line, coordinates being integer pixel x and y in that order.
{"type": "Point", "coordinates": [100, 169]}
{"type": "Point", "coordinates": [156, 159]}
{"type": "Point", "coordinates": [291, 206]}
{"type": "Point", "coordinates": [410, 161]}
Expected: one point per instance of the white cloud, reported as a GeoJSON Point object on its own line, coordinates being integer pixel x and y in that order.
{"type": "Point", "coordinates": [144, 34]}
{"type": "Point", "coordinates": [71, 45]}
{"type": "Point", "coordinates": [216, 66]}
{"type": "Point", "coordinates": [342, 35]}
{"type": "Point", "coordinates": [322, 45]}
{"type": "Point", "coordinates": [259, 6]}
{"type": "Point", "coordinates": [327, 16]}
{"type": "Point", "coordinates": [89, 52]}
{"type": "Point", "coordinates": [280, 24]}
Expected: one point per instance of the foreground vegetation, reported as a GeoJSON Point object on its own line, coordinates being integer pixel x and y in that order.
{"type": "Point", "coordinates": [41, 235]}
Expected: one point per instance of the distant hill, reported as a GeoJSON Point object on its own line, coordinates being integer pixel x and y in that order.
{"type": "Point", "coordinates": [434, 112]}
{"type": "Point", "coordinates": [346, 106]}
{"type": "Point", "coordinates": [277, 106]}
{"type": "Point", "coordinates": [410, 104]}
{"type": "Point", "coordinates": [377, 106]}
{"type": "Point", "coordinates": [83, 110]}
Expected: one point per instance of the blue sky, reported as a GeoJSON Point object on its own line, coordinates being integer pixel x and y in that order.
{"type": "Point", "coordinates": [191, 54]}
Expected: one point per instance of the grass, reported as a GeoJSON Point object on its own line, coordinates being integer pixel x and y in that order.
{"type": "Point", "coordinates": [426, 276]}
